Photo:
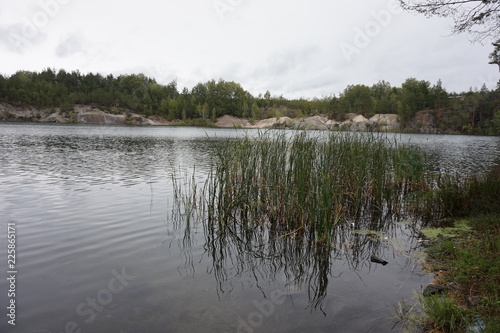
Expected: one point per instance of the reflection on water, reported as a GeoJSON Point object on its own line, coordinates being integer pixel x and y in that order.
{"type": "Point", "coordinates": [297, 260]}
{"type": "Point", "coordinates": [89, 201]}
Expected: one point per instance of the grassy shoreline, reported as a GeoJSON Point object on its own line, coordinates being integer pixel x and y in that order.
{"type": "Point", "coordinates": [467, 264]}
{"type": "Point", "coordinates": [463, 254]}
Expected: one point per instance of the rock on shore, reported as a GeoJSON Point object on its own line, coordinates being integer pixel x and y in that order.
{"type": "Point", "coordinates": [81, 114]}
{"type": "Point", "coordinates": [85, 114]}
{"type": "Point", "coordinates": [354, 122]}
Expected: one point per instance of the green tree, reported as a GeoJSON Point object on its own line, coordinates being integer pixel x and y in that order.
{"type": "Point", "coordinates": [21, 88]}
{"type": "Point", "coordinates": [232, 97]}
{"type": "Point", "coordinates": [3, 85]}
{"type": "Point", "coordinates": [385, 96]}
{"type": "Point", "coordinates": [134, 91]}
{"type": "Point", "coordinates": [155, 93]}
{"type": "Point", "coordinates": [171, 89]}
{"type": "Point", "coordinates": [186, 105]}
{"type": "Point", "coordinates": [48, 75]}
{"type": "Point", "coordinates": [336, 108]}
{"type": "Point", "coordinates": [495, 55]}
{"type": "Point", "coordinates": [414, 96]}
{"type": "Point", "coordinates": [438, 96]}
{"type": "Point", "coordinates": [170, 108]}
{"type": "Point", "coordinates": [71, 81]}
{"type": "Point", "coordinates": [267, 95]}
{"type": "Point", "coordinates": [496, 122]}
{"type": "Point", "coordinates": [202, 111]}
{"type": "Point", "coordinates": [222, 97]}
{"type": "Point", "coordinates": [254, 110]}
{"type": "Point", "coordinates": [358, 99]}
{"type": "Point", "coordinates": [495, 58]}
{"type": "Point", "coordinates": [199, 93]}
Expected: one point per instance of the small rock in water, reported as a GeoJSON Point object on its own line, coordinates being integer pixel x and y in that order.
{"type": "Point", "coordinates": [433, 289]}
{"type": "Point", "coordinates": [378, 260]}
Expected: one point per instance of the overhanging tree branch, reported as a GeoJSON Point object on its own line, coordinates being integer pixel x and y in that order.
{"type": "Point", "coordinates": [480, 18]}
{"type": "Point", "coordinates": [495, 55]}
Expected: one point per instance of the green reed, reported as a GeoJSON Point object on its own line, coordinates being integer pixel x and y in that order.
{"type": "Point", "coordinates": [285, 198]}
{"type": "Point", "coordinates": [308, 183]}
{"type": "Point", "coordinates": [288, 203]}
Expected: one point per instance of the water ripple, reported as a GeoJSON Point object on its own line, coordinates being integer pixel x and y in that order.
{"type": "Point", "coordinates": [87, 200]}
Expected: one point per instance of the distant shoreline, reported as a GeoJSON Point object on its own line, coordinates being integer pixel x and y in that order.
{"type": "Point", "coordinates": [424, 122]}
{"type": "Point", "coordinates": [85, 114]}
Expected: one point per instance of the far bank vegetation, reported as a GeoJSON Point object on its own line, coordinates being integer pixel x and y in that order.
{"type": "Point", "coordinates": [417, 102]}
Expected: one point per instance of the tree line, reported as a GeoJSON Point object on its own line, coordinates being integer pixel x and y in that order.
{"type": "Point", "coordinates": [474, 111]}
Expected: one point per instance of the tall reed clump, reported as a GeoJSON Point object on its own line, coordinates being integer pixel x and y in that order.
{"type": "Point", "coordinates": [309, 183]}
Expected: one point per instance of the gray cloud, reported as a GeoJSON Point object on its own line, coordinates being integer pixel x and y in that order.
{"type": "Point", "coordinates": [19, 38]}
{"type": "Point", "coordinates": [71, 45]}
{"type": "Point", "coordinates": [282, 65]}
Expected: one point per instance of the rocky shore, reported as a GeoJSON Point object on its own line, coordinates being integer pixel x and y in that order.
{"type": "Point", "coordinates": [80, 114]}
{"type": "Point", "coordinates": [85, 114]}
{"type": "Point", "coordinates": [353, 122]}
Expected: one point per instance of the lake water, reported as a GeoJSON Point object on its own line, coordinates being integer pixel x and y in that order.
{"type": "Point", "coordinates": [97, 249]}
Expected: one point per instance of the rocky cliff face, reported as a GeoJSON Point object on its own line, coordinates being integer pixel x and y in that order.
{"type": "Point", "coordinates": [424, 122]}
{"type": "Point", "coordinates": [81, 114]}
{"type": "Point", "coordinates": [354, 122]}
{"type": "Point", "coordinates": [91, 116]}
{"type": "Point", "coordinates": [386, 122]}
{"type": "Point", "coordinates": [84, 114]}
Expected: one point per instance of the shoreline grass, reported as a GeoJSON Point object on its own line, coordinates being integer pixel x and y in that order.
{"type": "Point", "coordinates": [465, 257]}
{"type": "Point", "coordinates": [469, 266]}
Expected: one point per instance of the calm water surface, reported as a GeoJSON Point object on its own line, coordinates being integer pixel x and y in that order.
{"type": "Point", "coordinates": [98, 250]}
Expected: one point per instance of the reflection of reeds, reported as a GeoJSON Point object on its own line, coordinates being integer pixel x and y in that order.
{"type": "Point", "coordinates": [277, 204]}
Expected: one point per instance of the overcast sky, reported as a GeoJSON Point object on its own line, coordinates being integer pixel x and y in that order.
{"type": "Point", "coordinates": [308, 49]}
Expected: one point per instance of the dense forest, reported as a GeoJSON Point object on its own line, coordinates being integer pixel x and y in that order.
{"type": "Point", "coordinates": [472, 112]}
